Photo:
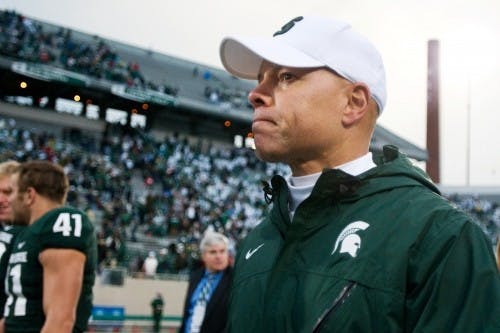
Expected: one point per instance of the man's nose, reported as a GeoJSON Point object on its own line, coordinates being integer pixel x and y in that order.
{"type": "Point", "coordinates": [260, 95]}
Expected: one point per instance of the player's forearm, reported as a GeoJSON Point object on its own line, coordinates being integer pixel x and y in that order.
{"type": "Point", "coordinates": [62, 274]}
{"type": "Point", "coordinates": [59, 322]}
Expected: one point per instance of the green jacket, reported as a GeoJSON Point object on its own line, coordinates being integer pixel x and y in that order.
{"type": "Point", "coordinates": [381, 252]}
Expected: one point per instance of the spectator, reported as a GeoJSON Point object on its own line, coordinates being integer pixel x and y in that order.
{"type": "Point", "coordinates": [205, 307]}
{"type": "Point", "coordinates": [150, 265]}
{"type": "Point", "coordinates": [157, 312]}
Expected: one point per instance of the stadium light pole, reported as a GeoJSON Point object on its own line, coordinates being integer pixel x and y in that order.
{"type": "Point", "coordinates": [468, 132]}
{"type": "Point", "coordinates": [477, 50]}
{"type": "Point", "coordinates": [433, 132]}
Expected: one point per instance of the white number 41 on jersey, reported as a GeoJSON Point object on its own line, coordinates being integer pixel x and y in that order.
{"type": "Point", "coordinates": [65, 222]}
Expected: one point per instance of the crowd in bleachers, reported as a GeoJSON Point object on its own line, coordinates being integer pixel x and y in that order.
{"type": "Point", "coordinates": [485, 212]}
{"type": "Point", "coordinates": [26, 39]}
{"type": "Point", "coordinates": [217, 92]}
{"type": "Point", "coordinates": [139, 189]}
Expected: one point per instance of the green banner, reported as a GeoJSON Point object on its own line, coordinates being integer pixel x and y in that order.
{"type": "Point", "coordinates": [50, 74]}
{"type": "Point", "coordinates": [142, 95]}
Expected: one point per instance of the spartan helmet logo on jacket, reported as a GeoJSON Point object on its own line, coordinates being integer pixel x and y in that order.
{"type": "Point", "coordinates": [349, 240]}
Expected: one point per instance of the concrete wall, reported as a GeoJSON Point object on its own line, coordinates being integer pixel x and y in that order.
{"type": "Point", "coordinates": [136, 294]}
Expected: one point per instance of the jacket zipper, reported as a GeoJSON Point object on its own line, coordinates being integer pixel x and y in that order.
{"type": "Point", "coordinates": [335, 305]}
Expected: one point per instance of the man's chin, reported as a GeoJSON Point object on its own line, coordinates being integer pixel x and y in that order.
{"type": "Point", "coordinates": [20, 222]}
{"type": "Point", "coordinates": [267, 156]}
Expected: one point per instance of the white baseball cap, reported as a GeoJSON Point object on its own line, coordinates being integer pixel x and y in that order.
{"type": "Point", "coordinates": [309, 42]}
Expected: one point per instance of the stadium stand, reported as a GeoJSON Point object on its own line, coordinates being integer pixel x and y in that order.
{"type": "Point", "coordinates": [183, 91]}
{"type": "Point", "coordinates": [157, 194]}
{"type": "Point", "coordinates": [149, 195]}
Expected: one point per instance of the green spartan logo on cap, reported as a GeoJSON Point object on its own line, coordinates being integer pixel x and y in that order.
{"type": "Point", "coordinates": [288, 26]}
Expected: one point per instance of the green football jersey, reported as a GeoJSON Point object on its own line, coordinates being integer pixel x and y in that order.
{"type": "Point", "coordinates": [7, 235]}
{"type": "Point", "coordinates": [63, 228]}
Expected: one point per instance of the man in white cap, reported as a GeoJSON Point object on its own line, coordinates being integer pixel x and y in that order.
{"type": "Point", "coordinates": [353, 242]}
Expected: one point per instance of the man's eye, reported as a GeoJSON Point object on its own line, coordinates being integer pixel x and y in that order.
{"type": "Point", "coordinates": [286, 76]}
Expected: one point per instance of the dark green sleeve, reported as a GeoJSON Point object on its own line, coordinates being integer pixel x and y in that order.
{"type": "Point", "coordinates": [454, 285]}
{"type": "Point", "coordinates": [67, 229]}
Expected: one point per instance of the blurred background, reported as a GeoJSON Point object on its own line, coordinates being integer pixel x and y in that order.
{"type": "Point", "coordinates": [130, 97]}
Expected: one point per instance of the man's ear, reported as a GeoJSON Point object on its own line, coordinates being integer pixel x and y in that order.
{"type": "Point", "coordinates": [30, 195]}
{"type": "Point", "coordinates": [357, 104]}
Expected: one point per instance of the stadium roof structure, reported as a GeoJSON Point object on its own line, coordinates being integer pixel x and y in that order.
{"type": "Point", "coordinates": [196, 94]}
